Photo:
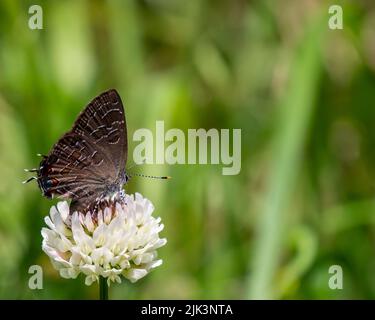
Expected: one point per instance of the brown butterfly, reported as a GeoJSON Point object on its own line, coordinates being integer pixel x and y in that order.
{"type": "Point", "coordinates": [88, 162]}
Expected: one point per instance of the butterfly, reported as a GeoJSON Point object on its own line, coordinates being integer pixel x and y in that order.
{"type": "Point", "coordinates": [87, 164]}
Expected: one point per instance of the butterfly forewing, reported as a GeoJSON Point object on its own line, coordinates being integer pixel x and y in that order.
{"type": "Point", "coordinates": [103, 121]}
{"type": "Point", "coordinates": [88, 161]}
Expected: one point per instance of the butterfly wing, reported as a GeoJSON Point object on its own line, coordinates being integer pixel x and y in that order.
{"type": "Point", "coordinates": [91, 157]}
{"type": "Point", "coordinates": [73, 170]}
{"type": "Point", "coordinates": [103, 121]}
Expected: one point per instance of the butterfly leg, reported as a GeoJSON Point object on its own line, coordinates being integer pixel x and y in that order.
{"type": "Point", "coordinates": [30, 179]}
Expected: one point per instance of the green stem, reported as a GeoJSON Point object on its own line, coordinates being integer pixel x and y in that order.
{"type": "Point", "coordinates": [289, 143]}
{"type": "Point", "coordinates": [103, 288]}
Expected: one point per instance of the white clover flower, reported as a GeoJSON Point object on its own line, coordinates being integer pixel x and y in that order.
{"type": "Point", "coordinates": [121, 239]}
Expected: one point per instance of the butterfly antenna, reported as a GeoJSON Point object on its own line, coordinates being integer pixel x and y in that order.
{"type": "Point", "coordinates": [147, 176]}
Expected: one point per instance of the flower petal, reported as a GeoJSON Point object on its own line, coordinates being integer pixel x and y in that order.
{"type": "Point", "coordinates": [120, 239]}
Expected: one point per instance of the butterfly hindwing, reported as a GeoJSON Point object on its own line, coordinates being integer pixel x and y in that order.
{"type": "Point", "coordinates": [70, 167]}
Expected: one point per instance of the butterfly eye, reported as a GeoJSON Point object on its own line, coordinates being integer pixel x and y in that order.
{"type": "Point", "coordinates": [51, 183]}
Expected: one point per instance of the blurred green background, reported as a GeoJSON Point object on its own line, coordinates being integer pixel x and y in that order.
{"type": "Point", "coordinates": [302, 94]}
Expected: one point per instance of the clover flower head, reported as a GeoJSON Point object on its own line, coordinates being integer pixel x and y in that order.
{"type": "Point", "coordinates": [121, 238]}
